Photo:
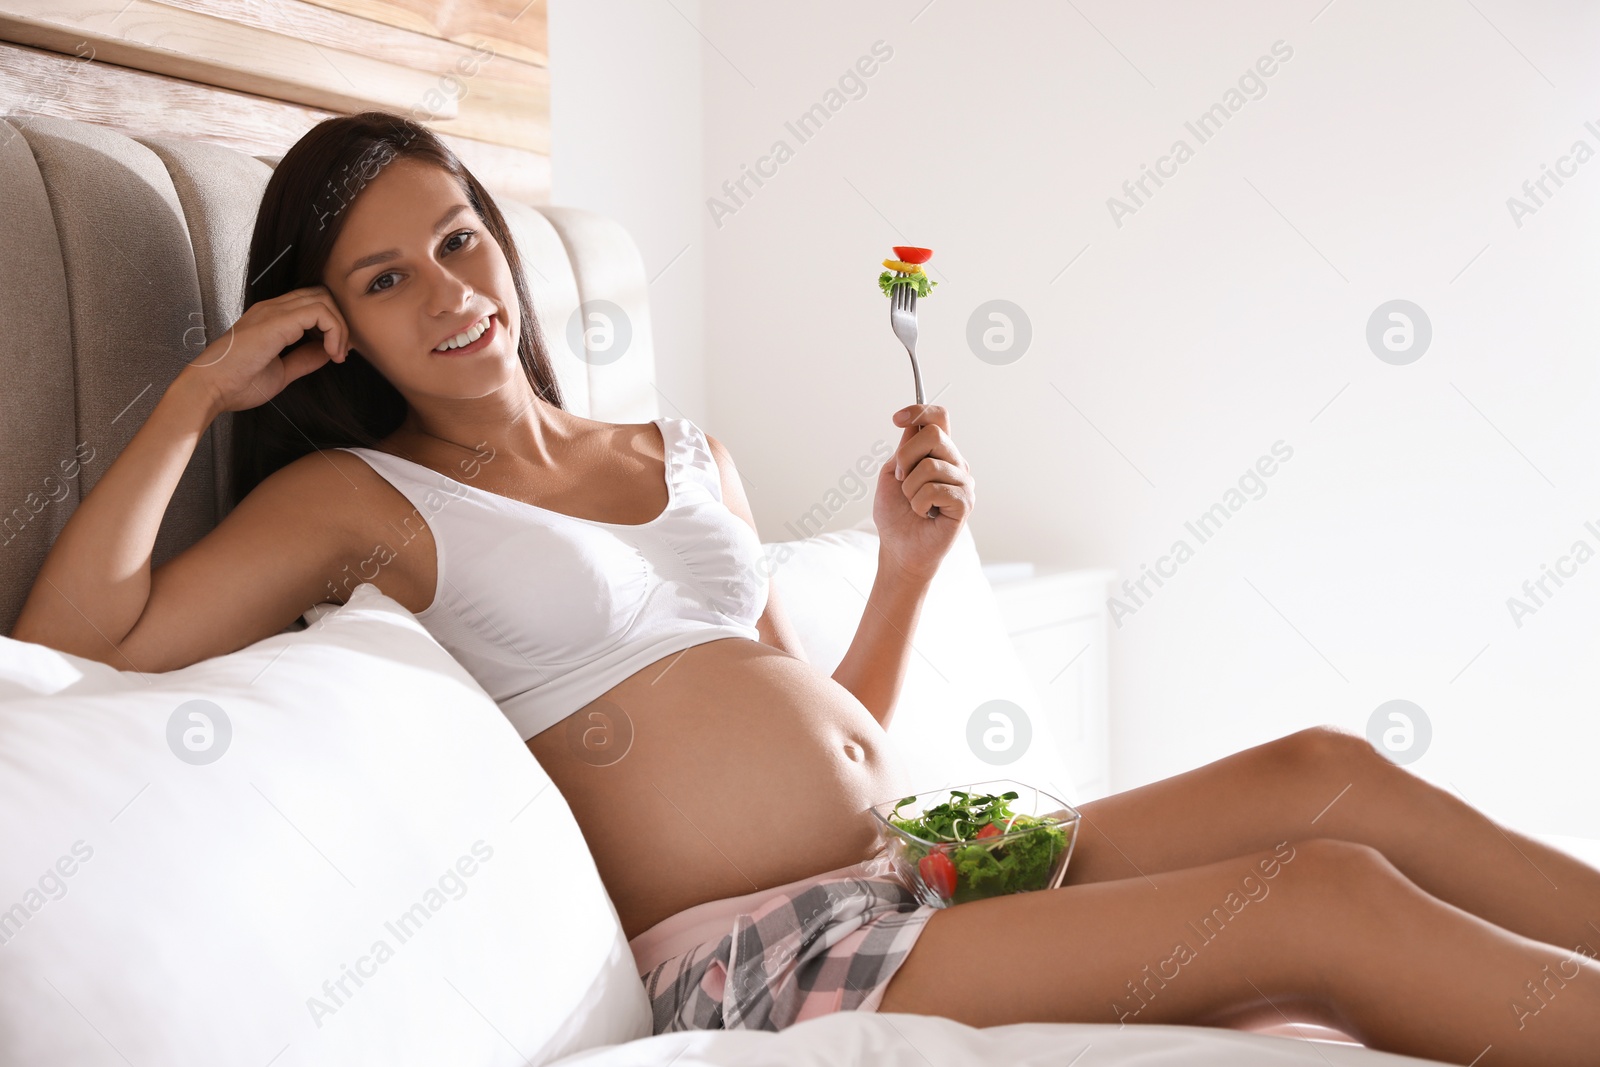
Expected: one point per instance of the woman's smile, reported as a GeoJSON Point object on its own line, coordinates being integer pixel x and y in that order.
{"type": "Point", "coordinates": [481, 341]}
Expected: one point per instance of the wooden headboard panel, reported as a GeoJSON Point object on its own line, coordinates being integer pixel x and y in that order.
{"type": "Point", "coordinates": [256, 76]}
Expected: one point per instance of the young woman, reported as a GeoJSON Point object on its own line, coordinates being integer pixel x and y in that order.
{"type": "Point", "coordinates": [603, 577]}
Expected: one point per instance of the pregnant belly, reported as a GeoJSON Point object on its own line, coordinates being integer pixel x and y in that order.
{"type": "Point", "coordinates": [747, 768]}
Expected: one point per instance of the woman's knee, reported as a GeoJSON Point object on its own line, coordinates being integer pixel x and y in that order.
{"type": "Point", "coordinates": [1325, 746]}
{"type": "Point", "coordinates": [1347, 879]}
{"type": "Point", "coordinates": [1334, 857]}
{"type": "Point", "coordinates": [1345, 902]}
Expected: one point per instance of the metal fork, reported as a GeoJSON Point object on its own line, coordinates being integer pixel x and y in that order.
{"type": "Point", "coordinates": [903, 321]}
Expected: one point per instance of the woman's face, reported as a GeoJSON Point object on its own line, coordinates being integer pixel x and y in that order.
{"type": "Point", "coordinates": [413, 267]}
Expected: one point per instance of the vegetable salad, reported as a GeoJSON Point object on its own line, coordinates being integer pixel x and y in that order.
{"type": "Point", "coordinates": [907, 270]}
{"type": "Point", "coordinates": [966, 854]}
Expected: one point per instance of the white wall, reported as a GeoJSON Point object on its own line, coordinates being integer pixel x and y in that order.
{"type": "Point", "coordinates": [1228, 313]}
{"type": "Point", "coordinates": [625, 117]}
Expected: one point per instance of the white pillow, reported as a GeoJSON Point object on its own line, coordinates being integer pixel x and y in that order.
{"type": "Point", "coordinates": [163, 911]}
{"type": "Point", "coordinates": [961, 660]}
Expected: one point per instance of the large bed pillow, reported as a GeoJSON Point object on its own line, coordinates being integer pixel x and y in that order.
{"type": "Point", "coordinates": [329, 847]}
{"type": "Point", "coordinates": [964, 670]}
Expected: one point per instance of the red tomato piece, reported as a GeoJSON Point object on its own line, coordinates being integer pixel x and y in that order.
{"type": "Point", "coordinates": [939, 873]}
{"type": "Point", "coordinates": [907, 254]}
{"type": "Point", "coordinates": [989, 831]}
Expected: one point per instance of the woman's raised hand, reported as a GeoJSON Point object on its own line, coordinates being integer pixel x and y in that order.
{"type": "Point", "coordinates": [243, 368]}
{"type": "Point", "coordinates": [925, 471]}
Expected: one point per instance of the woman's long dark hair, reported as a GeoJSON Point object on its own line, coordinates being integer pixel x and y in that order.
{"type": "Point", "coordinates": [301, 214]}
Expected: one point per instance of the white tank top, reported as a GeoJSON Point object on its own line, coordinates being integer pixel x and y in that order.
{"type": "Point", "coordinates": [548, 611]}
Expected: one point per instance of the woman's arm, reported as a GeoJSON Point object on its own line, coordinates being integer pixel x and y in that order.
{"type": "Point", "coordinates": [279, 551]}
{"type": "Point", "coordinates": [95, 581]}
{"type": "Point", "coordinates": [927, 472]}
{"type": "Point", "coordinates": [265, 563]}
{"type": "Point", "coordinates": [874, 667]}
{"type": "Point", "coordinates": [909, 551]}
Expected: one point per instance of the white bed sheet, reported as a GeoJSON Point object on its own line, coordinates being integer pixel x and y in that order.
{"type": "Point", "coordinates": [899, 1040]}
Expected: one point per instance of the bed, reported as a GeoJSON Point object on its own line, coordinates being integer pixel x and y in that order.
{"type": "Point", "coordinates": [359, 861]}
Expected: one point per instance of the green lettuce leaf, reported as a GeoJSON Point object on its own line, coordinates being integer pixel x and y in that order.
{"type": "Point", "coordinates": [920, 282]}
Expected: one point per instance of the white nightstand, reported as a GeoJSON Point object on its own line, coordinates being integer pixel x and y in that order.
{"type": "Point", "coordinates": [1057, 621]}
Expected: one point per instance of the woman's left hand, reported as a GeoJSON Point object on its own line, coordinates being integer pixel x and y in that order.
{"type": "Point", "coordinates": [935, 475]}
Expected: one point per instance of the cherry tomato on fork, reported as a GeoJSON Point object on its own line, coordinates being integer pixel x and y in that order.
{"type": "Point", "coordinates": [939, 873]}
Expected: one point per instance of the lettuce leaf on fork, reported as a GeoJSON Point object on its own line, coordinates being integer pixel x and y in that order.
{"type": "Point", "coordinates": [919, 281]}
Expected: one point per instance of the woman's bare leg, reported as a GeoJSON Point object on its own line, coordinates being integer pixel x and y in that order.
{"type": "Point", "coordinates": [1328, 928]}
{"type": "Point", "coordinates": [1322, 782]}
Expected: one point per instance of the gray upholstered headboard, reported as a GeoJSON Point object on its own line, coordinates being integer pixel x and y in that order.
{"type": "Point", "coordinates": [117, 253]}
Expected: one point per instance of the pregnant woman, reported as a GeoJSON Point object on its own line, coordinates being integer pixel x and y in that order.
{"type": "Point", "coordinates": [604, 577]}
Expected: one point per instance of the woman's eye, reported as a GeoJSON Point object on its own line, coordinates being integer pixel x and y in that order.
{"type": "Point", "coordinates": [376, 288]}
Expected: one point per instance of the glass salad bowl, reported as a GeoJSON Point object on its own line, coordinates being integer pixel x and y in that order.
{"type": "Point", "coordinates": [970, 842]}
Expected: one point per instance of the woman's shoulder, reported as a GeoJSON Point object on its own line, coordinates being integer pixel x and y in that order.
{"type": "Point", "coordinates": [337, 484]}
{"type": "Point", "coordinates": [357, 508]}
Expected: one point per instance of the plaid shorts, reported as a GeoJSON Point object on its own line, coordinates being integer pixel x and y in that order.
{"type": "Point", "coordinates": [769, 959]}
